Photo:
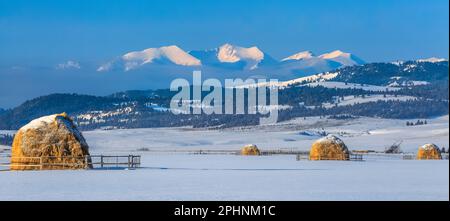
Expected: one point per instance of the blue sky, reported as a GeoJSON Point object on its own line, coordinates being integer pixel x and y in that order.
{"type": "Point", "coordinates": [48, 31]}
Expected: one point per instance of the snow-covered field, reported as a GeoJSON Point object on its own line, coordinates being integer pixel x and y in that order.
{"type": "Point", "coordinates": [232, 177]}
{"type": "Point", "coordinates": [184, 176]}
{"type": "Point", "coordinates": [360, 133]}
{"type": "Point", "coordinates": [351, 100]}
{"type": "Point", "coordinates": [342, 85]}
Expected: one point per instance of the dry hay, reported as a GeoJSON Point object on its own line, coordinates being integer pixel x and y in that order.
{"type": "Point", "coordinates": [429, 152]}
{"type": "Point", "coordinates": [329, 148]}
{"type": "Point", "coordinates": [50, 142]}
{"type": "Point", "coordinates": [250, 150]}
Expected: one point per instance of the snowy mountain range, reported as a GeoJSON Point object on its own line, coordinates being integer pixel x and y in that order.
{"type": "Point", "coordinates": [403, 90]}
{"type": "Point", "coordinates": [157, 67]}
{"type": "Point", "coordinates": [230, 57]}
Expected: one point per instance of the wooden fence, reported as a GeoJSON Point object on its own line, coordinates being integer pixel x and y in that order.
{"type": "Point", "coordinates": [238, 152]}
{"type": "Point", "coordinates": [284, 151]}
{"type": "Point", "coordinates": [356, 157]}
{"type": "Point", "coordinates": [67, 162]}
{"type": "Point", "coordinates": [351, 157]}
{"type": "Point", "coordinates": [108, 161]}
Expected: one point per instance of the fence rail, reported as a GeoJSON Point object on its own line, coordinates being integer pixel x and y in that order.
{"type": "Point", "coordinates": [351, 157]}
{"type": "Point", "coordinates": [69, 162]}
{"type": "Point", "coordinates": [356, 157]}
{"type": "Point", "coordinates": [371, 156]}
{"type": "Point", "coordinates": [107, 161]}
{"type": "Point", "coordinates": [284, 151]}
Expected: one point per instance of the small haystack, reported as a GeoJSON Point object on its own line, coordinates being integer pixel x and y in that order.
{"type": "Point", "coordinates": [250, 150]}
{"type": "Point", "coordinates": [50, 142]}
{"type": "Point", "coordinates": [429, 152]}
{"type": "Point", "coordinates": [329, 148]}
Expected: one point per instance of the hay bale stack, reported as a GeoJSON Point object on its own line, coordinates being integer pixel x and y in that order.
{"type": "Point", "coordinates": [429, 152]}
{"type": "Point", "coordinates": [250, 150]}
{"type": "Point", "coordinates": [329, 148]}
{"type": "Point", "coordinates": [50, 142]}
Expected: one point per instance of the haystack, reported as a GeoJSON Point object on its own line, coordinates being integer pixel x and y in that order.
{"type": "Point", "coordinates": [429, 152]}
{"type": "Point", "coordinates": [250, 150]}
{"type": "Point", "coordinates": [329, 148]}
{"type": "Point", "coordinates": [50, 142]}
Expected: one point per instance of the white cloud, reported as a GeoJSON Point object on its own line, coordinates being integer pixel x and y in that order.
{"type": "Point", "coordinates": [68, 65]}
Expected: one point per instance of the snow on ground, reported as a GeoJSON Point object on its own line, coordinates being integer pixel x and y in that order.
{"type": "Point", "coordinates": [342, 85]}
{"type": "Point", "coordinates": [9, 132]}
{"type": "Point", "coordinates": [360, 133]}
{"type": "Point", "coordinates": [231, 177]}
{"type": "Point", "coordinates": [317, 77]}
{"type": "Point", "coordinates": [408, 83]}
{"type": "Point", "coordinates": [3, 151]}
{"type": "Point", "coordinates": [351, 100]}
{"type": "Point", "coordinates": [184, 176]}
{"type": "Point", "coordinates": [416, 83]}
{"type": "Point", "coordinates": [432, 60]}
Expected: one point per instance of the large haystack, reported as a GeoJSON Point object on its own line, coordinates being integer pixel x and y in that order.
{"type": "Point", "coordinates": [429, 152]}
{"type": "Point", "coordinates": [329, 148]}
{"type": "Point", "coordinates": [250, 150]}
{"type": "Point", "coordinates": [50, 142]}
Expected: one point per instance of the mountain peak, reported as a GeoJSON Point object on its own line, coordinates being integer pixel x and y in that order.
{"type": "Point", "coordinates": [334, 54]}
{"type": "Point", "coordinates": [171, 54]}
{"type": "Point", "coordinates": [344, 58]}
{"type": "Point", "coordinates": [299, 56]}
{"type": "Point", "coordinates": [171, 47]}
{"type": "Point", "coordinates": [234, 53]}
{"type": "Point", "coordinates": [230, 54]}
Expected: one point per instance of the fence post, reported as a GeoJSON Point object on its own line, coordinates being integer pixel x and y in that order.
{"type": "Point", "coordinates": [86, 162]}
{"type": "Point", "coordinates": [101, 161]}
